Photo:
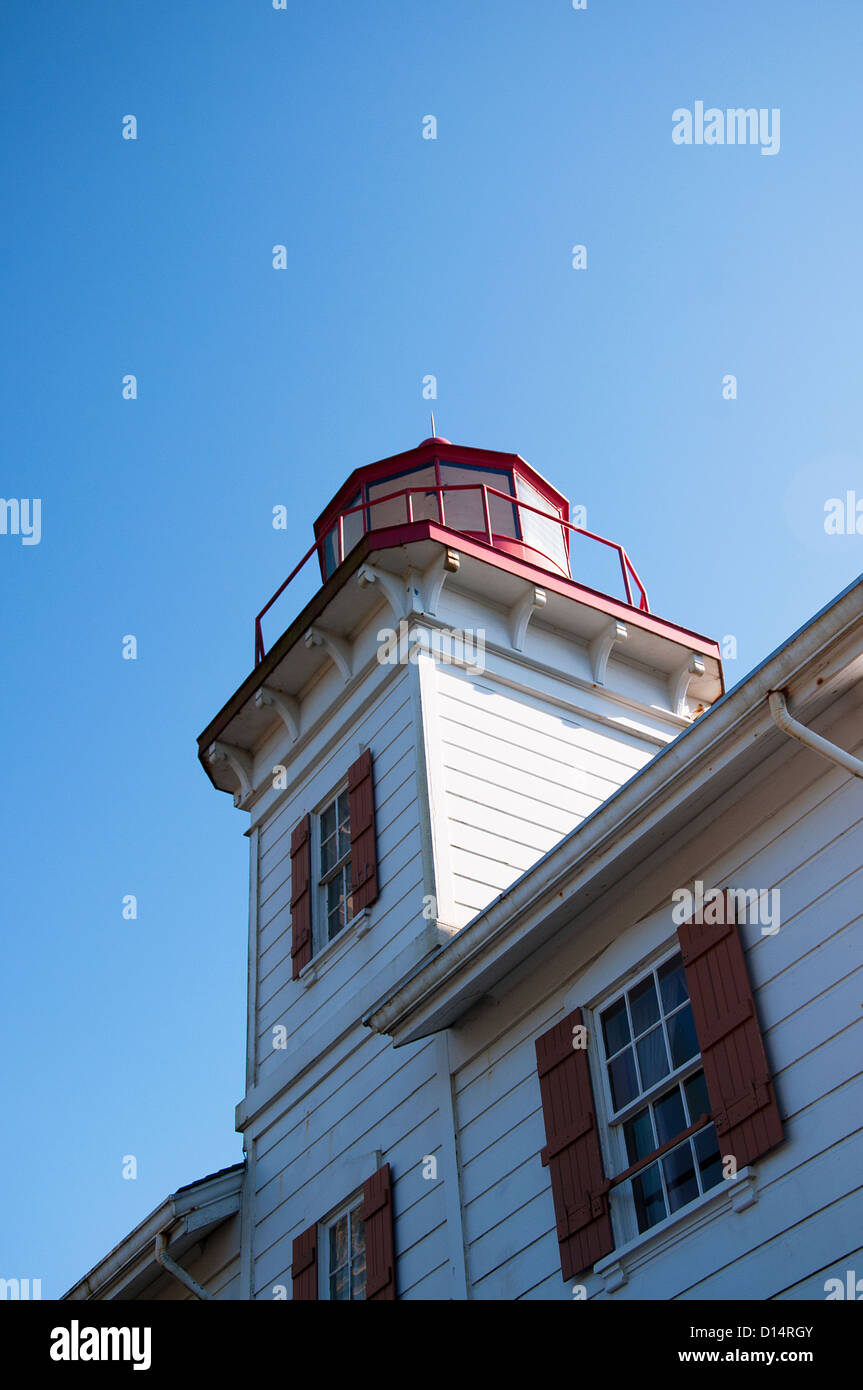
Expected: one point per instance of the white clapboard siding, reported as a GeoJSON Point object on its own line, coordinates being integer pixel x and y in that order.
{"type": "Point", "coordinates": [808, 981]}
{"type": "Point", "coordinates": [814, 1285]}
{"type": "Point", "coordinates": [388, 728]}
{"type": "Point", "coordinates": [375, 1099]}
{"type": "Point", "coordinates": [516, 776]}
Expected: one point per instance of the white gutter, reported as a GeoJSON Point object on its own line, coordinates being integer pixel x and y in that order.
{"type": "Point", "coordinates": [164, 1259]}
{"type": "Point", "coordinates": [784, 721]}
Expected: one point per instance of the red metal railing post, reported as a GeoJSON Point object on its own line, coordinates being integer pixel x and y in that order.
{"type": "Point", "coordinates": [626, 583]}
{"type": "Point", "coordinates": [627, 568]}
{"type": "Point", "coordinates": [486, 513]}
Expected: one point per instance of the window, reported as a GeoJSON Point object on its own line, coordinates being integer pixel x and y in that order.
{"type": "Point", "coordinates": [656, 1088]}
{"type": "Point", "coordinates": [344, 1272]}
{"type": "Point", "coordinates": [539, 532]}
{"type": "Point", "coordinates": [464, 510]}
{"type": "Point", "coordinates": [352, 533]}
{"type": "Point", "coordinates": [335, 868]}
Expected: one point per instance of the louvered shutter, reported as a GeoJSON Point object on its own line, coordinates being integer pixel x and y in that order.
{"type": "Point", "coordinates": [361, 809]}
{"type": "Point", "coordinates": [380, 1242]}
{"type": "Point", "coordinates": [301, 896]}
{"type": "Point", "coordinates": [742, 1098]}
{"type": "Point", "coordinates": [304, 1265]}
{"type": "Point", "coordinates": [572, 1151]}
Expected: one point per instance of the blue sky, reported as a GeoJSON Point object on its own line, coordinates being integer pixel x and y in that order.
{"type": "Point", "coordinates": [258, 387]}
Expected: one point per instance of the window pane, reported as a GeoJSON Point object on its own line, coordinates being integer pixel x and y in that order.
{"type": "Point", "coordinates": [652, 1058]}
{"type": "Point", "coordinates": [335, 907]}
{"type": "Point", "coordinates": [680, 1178]}
{"type": "Point", "coordinates": [681, 1035]}
{"type": "Point", "coordinates": [358, 1233]}
{"type": "Point", "coordinates": [329, 839]}
{"type": "Point", "coordinates": [395, 511]}
{"type": "Point", "coordinates": [339, 1285]}
{"type": "Point", "coordinates": [464, 510]}
{"type": "Point", "coordinates": [621, 1074]}
{"type": "Point", "coordinates": [344, 825]}
{"type": "Point", "coordinates": [339, 1243]}
{"type": "Point", "coordinates": [537, 531]}
{"type": "Point", "coordinates": [330, 552]}
{"type": "Point", "coordinates": [643, 1006]}
{"type": "Point", "coordinates": [672, 983]}
{"type": "Point", "coordinates": [615, 1028]}
{"type": "Point", "coordinates": [669, 1116]}
{"type": "Point", "coordinates": [696, 1096]}
{"type": "Point", "coordinates": [352, 526]}
{"type": "Point", "coordinates": [638, 1133]}
{"type": "Point", "coordinates": [709, 1158]}
{"type": "Point", "coordinates": [649, 1201]}
{"type": "Point", "coordinates": [358, 1254]}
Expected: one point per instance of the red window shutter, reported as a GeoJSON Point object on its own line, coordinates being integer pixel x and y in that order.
{"type": "Point", "coordinates": [572, 1151]}
{"type": "Point", "coordinates": [304, 1265]}
{"type": "Point", "coordinates": [380, 1242]}
{"type": "Point", "coordinates": [742, 1098]}
{"type": "Point", "coordinates": [361, 809]}
{"type": "Point", "coordinates": [301, 896]}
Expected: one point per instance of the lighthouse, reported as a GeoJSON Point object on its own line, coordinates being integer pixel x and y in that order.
{"type": "Point", "coordinates": [497, 1047]}
{"type": "Point", "coordinates": [501, 666]}
{"type": "Point", "coordinates": [472, 678]}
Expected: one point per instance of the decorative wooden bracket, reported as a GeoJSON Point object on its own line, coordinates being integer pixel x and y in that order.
{"type": "Point", "coordinates": [435, 577]}
{"type": "Point", "coordinates": [393, 587]}
{"type": "Point", "coordinates": [336, 647]}
{"type": "Point", "coordinates": [240, 762]}
{"type": "Point", "coordinates": [287, 708]}
{"type": "Point", "coordinates": [601, 647]}
{"type": "Point", "coordinates": [521, 613]}
{"type": "Point", "coordinates": [679, 681]}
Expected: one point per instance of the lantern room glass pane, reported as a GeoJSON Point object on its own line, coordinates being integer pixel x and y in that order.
{"type": "Point", "coordinates": [464, 510]}
{"type": "Point", "coordinates": [540, 532]}
{"type": "Point", "coordinates": [394, 512]}
{"type": "Point", "coordinates": [352, 532]}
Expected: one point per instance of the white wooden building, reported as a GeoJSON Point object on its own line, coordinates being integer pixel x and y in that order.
{"type": "Point", "coordinates": [504, 1039]}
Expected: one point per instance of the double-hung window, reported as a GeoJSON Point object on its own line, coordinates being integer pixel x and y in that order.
{"type": "Point", "coordinates": [334, 880]}
{"type": "Point", "coordinates": [656, 1093]}
{"type": "Point", "coordinates": [334, 865]}
{"type": "Point", "coordinates": [344, 1266]}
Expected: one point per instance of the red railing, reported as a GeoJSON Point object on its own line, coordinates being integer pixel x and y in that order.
{"type": "Point", "coordinates": [627, 568]}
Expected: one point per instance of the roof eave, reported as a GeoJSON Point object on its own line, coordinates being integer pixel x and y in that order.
{"type": "Point", "coordinates": [187, 1215]}
{"type": "Point", "coordinates": [622, 831]}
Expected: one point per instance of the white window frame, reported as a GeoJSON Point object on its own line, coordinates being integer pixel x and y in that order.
{"type": "Point", "coordinates": [613, 1143]}
{"type": "Point", "coordinates": [347, 1209]}
{"type": "Point", "coordinates": [320, 919]}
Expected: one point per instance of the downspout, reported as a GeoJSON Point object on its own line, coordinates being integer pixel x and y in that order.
{"type": "Point", "coordinates": [784, 721]}
{"type": "Point", "coordinates": [164, 1259]}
